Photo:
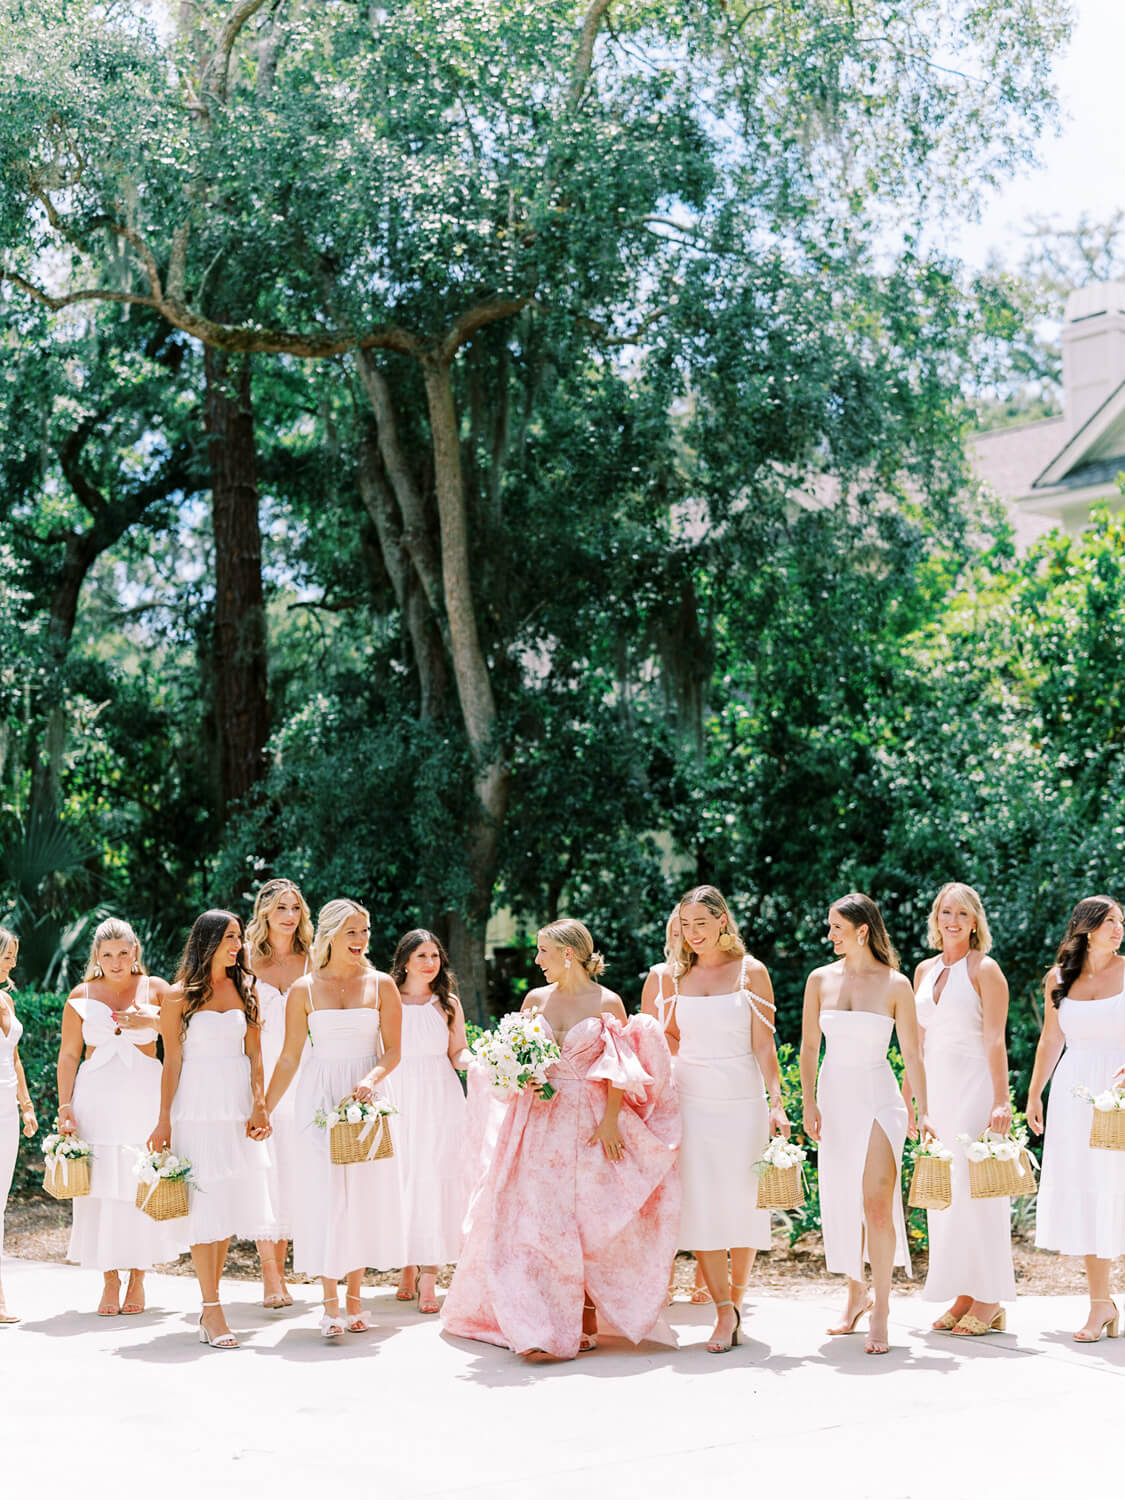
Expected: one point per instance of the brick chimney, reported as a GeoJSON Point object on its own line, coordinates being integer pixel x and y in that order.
{"type": "Point", "coordinates": [1093, 349]}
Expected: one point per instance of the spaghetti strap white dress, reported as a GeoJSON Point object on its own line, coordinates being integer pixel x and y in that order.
{"type": "Point", "coordinates": [345, 1217]}
{"type": "Point", "coordinates": [116, 1099]}
{"type": "Point", "coordinates": [230, 1192]}
{"type": "Point", "coordinates": [283, 1142]}
{"type": "Point", "coordinates": [9, 1111]}
{"type": "Point", "coordinates": [1081, 1204]}
{"type": "Point", "coordinates": [856, 1093]}
{"type": "Point", "coordinates": [971, 1240]}
{"type": "Point", "coordinates": [725, 1119]}
{"type": "Point", "coordinates": [429, 1134]}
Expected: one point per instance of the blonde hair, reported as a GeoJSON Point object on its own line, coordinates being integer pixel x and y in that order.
{"type": "Point", "coordinates": [716, 903]}
{"type": "Point", "coordinates": [673, 940]}
{"type": "Point", "coordinates": [258, 927]}
{"type": "Point", "coordinates": [331, 917]}
{"type": "Point", "coordinates": [113, 930]}
{"type": "Point", "coordinates": [7, 938]}
{"type": "Point", "coordinates": [981, 938]}
{"type": "Point", "coordinates": [567, 933]}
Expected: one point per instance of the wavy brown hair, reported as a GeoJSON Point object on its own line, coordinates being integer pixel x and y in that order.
{"type": "Point", "coordinates": [1086, 918]}
{"type": "Point", "coordinates": [444, 986]}
{"type": "Point", "coordinates": [258, 927]}
{"type": "Point", "coordinates": [861, 911]}
{"type": "Point", "coordinates": [194, 974]}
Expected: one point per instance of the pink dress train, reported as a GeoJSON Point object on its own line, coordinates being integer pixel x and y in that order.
{"type": "Point", "coordinates": [553, 1219]}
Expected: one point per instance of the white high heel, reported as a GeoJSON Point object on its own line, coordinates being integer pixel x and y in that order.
{"type": "Point", "coordinates": [332, 1324]}
{"type": "Point", "coordinates": [221, 1340]}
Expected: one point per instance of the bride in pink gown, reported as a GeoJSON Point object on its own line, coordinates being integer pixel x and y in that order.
{"type": "Point", "coordinates": [577, 1214]}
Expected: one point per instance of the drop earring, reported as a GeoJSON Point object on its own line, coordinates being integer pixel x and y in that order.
{"type": "Point", "coordinates": [98, 972]}
{"type": "Point", "coordinates": [566, 962]}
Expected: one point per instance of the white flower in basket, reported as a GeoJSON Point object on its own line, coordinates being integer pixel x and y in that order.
{"type": "Point", "coordinates": [782, 1154]}
{"type": "Point", "coordinates": [517, 1054]}
{"type": "Point", "coordinates": [935, 1148]}
{"type": "Point", "coordinates": [58, 1147]}
{"type": "Point", "coordinates": [358, 1130]}
{"type": "Point", "coordinates": [162, 1190]}
{"type": "Point", "coordinates": [1005, 1148]}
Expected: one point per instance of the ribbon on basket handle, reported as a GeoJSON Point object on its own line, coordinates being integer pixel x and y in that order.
{"type": "Point", "coordinates": [369, 1125]}
{"type": "Point", "coordinates": [63, 1161]}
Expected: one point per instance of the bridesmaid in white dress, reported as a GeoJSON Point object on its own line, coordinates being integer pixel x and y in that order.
{"type": "Point", "coordinates": [858, 1117]}
{"type": "Point", "coordinates": [718, 1010]}
{"type": "Point", "coordinates": [212, 1109]}
{"type": "Point", "coordinates": [109, 1094]}
{"type": "Point", "coordinates": [346, 1218]}
{"type": "Point", "coordinates": [15, 1101]}
{"type": "Point", "coordinates": [654, 1004]}
{"type": "Point", "coordinates": [961, 998]}
{"type": "Point", "coordinates": [430, 1124]}
{"type": "Point", "coordinates": [1081, 1205]}
{"type": "Point", "coordinates": [279, 937]}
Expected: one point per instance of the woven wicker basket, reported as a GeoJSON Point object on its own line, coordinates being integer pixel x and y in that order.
{"type": "Point", "coordinates": [167, 1200]}
{"type": "Point", "coordinates": [1107, 1129]}
{"type": "Point", "coordinates": [932, 1183]}
{"type": "Point", "coordinates": [780, 1187]}
{"type": "Point", "coordinates": [77, 1184]}
{"type": "Point", "coordinates": [992, 1178]}
{"type": "Point", "coordinates": [346, 1148]}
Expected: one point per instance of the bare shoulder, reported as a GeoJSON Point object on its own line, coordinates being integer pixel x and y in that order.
{"type": "Point", "coordinates": [755, 968]}
{"type": "Point", "coordinates": [174, 995]}
{"type": "Point", "coordinates": [985, 967]}
{"type": "Point", "coordinates": [158, 987]}
{"type": "Point", "coordinates": [613, 1004]}
{"type": "Point", "coordinates": [900, 987]}
{"type": "Point", "coordinates": [822, 973]}
{"type": "Point", "coordinates": [537, 999]}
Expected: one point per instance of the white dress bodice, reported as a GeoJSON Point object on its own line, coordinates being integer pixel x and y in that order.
{"type": "Point", "coordinates": [9, 1103]}
{"type": "Point", "coordinates": [215, 1034]}
{"type": "Point", "coordinates": [953, 1022]}
{"type": "Point", "coordinates": [339, 1035]}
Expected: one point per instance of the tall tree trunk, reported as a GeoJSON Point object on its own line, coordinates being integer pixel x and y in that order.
{"type": "Point", "coordinates": [474, 690]}
{"type": "Point", "coordinates": [239, 650]}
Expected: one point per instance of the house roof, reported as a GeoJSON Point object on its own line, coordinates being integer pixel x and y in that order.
{"type": "Point", "coordinates": [1099, 444]}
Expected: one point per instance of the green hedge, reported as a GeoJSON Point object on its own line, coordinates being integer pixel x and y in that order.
{"type": "Point", "coordinates": [41, 1014]}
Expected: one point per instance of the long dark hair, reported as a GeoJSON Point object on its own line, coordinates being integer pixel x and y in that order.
{"type": "Point", "coordinates": [444, 986]}
{"type": "Point", "coordinates": [1086, 917]}
{"type": "Point", "coordinates": [861, 911]}
{"type": "Point", "coordinates": [194, 974]}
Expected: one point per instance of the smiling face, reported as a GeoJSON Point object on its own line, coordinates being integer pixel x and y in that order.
{"type": "Point", "coordinates": [424, 964]}
{"type": "Point", "coordinates": [845, 936]}
{"type": "Point", "coordinates": [551, 959]}
{"type": "Point", "coordinates": [8, 959]}
{"type": "Point", "coordinates": [115, 958]}
{"type": "Point", "coordinates": [351, 940]}
{"type": "Point", "coordinates": [231, 945]}
{"type": "Point", "coordinates": [701, 928]}
{"type": "Point", "coordinates": [956, 922]}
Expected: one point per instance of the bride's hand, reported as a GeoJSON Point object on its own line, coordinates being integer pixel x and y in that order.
{"type": "Point", "coordinates": [779, 1121]}
{"type": "Point", "coordinates": [610, 1137]}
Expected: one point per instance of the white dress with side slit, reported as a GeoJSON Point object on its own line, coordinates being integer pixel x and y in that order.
{"type": "Point", "coordinates": [725, 1118]}
{"type": "Point", "coordinates": [857, 1094]}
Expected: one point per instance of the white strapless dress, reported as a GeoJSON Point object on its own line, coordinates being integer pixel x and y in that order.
{"type": "Point", "coordinates": [857, 1093]}
{"type": "Point", "coordinates": [346, 1217]}
{"type": "Point", "coordinates": [230, 1195]}
{"type": "Point", "coordinates": [9, 1114]}
{"type": "Point", "coordinates": [1081, 1204]}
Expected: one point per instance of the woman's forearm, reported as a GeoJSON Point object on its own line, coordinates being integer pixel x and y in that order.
{"type": "Point", "coordinates": [284, 1072]}
{"type": "Point", "coordinates": [997, 1054]}
{"type": "Point", "coordinates": [65, 1074]}
{"type": "Point", "coordinates": [613, 1100]}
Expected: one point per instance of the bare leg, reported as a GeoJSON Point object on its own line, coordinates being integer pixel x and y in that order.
{"type": "Point", "coordinates": [880, 1182]}
{"type": "Point", "coordinates": [858, 1303]}
{"type": "Point", "coordinates": [741, 1265]}
{"type": "Point", "coordinates": [332, 1324]}
{"type": "Point", "coordinates": [208, 1261]}
{"type": "Point", "coordinates": [699, 1292]}
{"type": "Point", "coordinates": [407, 1284]}
{"type": "Point", "coordinates": [110, 1305]}
{"type": "Point", "coordinates": [135, 1294]}
{"type": "Point", "coordinates": [957, 1310]}
{"type": "Point", "coordinates": [716, 1273]}
{"type": "Point", "coordinates": [356, 1322]}
{"type": "Point", "coordinates": [271, 1254]}
{"type": "Point", "coordinates": [1102, 1309]}
{"type": "Point", "coordinates": [427, 1289]}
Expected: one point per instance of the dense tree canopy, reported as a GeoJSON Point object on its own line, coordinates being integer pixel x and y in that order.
{"type": "Point", "coordinates": [579, 382]}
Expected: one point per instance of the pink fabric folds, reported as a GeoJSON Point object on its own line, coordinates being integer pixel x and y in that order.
{"type": "Point", "coordinates": [552, 1218]}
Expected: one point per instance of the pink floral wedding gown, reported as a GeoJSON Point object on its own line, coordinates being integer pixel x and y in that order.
{"type": "Point", "coordinates": [553, 1219]}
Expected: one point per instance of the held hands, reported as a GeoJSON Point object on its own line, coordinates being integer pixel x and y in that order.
{"type": "Point", "coordinates": [1034, 1113]}
{"type": "Point", "coordinates": [811, 1116]}
{"type": "Point", "coordinates": [610, 1137]}
{"type": "Point", "coordinates": [258, 1126]}
{"type": "Point", "coordinates": [779, 1121]}
{"type": "Point", "coordinates": [161, 1137]}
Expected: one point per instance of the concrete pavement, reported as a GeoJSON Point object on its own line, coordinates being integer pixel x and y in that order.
{"type": "Point", "coordinates": [90, 1406]}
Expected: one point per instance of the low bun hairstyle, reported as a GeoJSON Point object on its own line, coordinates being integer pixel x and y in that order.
{"type": "Point", "coordinates": [861, 911]}
{"type": "Point", "coordinates": [567, 933]}
{"type": "Point", "coordinates": [1086, 917]}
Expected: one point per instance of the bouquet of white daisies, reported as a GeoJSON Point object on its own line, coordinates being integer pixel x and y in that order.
{"type": "Point", "coordinates": [517, 1054]}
